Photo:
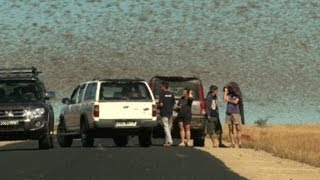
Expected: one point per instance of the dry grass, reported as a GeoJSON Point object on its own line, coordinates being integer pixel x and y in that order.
{"type": "Point", "coordinates": [296, 142]}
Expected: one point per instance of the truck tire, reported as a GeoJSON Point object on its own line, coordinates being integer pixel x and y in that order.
{"type": "Point", "coordinates": [87, 139]}
{"type": "Point", "coordinates": [199, 140]}
{"type": "Point", "coordinates": [63, 140]}
{"type": "Point", "coordinates": [120, 141]}
{"type": "Point", "coordinates": [145, 138]}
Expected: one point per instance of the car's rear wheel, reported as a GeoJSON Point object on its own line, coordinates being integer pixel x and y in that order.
{"type": "Point", "coordinates": [120, 141]}
{"type": "Point", "coordinates": [145, 138]}
{"type": "Point", "coordinates": [63, 140]}
{"type": "Point", "coordinates": [87, 139]}
{"type": "Point", "coordinates": [199, 140]}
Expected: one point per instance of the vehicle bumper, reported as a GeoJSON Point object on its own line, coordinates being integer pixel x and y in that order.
{"type": "Point", "coordinates": [112, 124]}
{"type": "Point", "coordinates": [23, 131]}
{"type": "Point", "coordinates": [108, 128]}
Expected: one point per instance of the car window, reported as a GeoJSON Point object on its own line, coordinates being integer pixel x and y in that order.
{"type": "Point", "coordinates": [81, 92]}
{"type": "Point", "coordinates": [90, 91]}
{"type": "Point", "coordinates": [20, 90]}
{"type": "Point", "coordinates": [124, 91]}
{"type": "Point", "coordinates": [177, 86]}
{"type": "Point", "coordinates": [74, 95]}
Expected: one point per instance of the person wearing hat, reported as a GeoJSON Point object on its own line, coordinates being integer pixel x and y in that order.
{"type": "Point", "coordinates": [212, 113]}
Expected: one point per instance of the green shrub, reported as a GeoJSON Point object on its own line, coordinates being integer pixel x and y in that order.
{"type": "Point", "coordinates": [261, 122]}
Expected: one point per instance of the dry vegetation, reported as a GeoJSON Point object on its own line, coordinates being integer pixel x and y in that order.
{"type": "Point", "coordinates": [296, 142]}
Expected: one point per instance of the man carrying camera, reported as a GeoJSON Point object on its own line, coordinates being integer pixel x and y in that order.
{"type": "Point", "coordinates": [234, 113]}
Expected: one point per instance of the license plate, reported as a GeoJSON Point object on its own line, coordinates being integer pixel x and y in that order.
{"type": "Point", "coordinates": [126, 124]}
{"type": "Point", "coordinates": [9, 123]}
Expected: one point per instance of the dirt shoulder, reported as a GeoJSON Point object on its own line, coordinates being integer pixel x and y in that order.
{"type": "Point", "coordinates": [3, 143]}
{"type": "Point", "coordinates": [261, 165]}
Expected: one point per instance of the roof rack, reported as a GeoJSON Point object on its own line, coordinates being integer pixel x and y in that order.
{"type": "Point", "coordinates": [124, 79]}
{"type": "Point", "coordinates": [178, 77]}
{"type": "Point", "coordinates": [19, 72]}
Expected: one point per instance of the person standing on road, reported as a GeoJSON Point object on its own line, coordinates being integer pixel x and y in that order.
{"type": "Point", "coordinates": [166, 103]}
{"type": "Point", "coordinates": [234, 113]}
{"type": "Point", "coordinates": [212, 113]}
{"type": "Point", "coordinates": [184, 116]}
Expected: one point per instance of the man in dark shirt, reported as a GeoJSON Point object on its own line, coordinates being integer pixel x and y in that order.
{"type": "Point", "coordinates": [166, 103]}
{"type": "Point", "coordinates": [212, 112]}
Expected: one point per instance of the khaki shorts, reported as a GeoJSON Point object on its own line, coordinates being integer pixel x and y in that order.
{"type": "Point", "coordinates": [211, 125]}
{"type": "Point", "coordinates": [233, 119]}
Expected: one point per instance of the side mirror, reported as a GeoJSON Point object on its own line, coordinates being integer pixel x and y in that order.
{"type": "Point", "coordinates": [65, 100]}
{"type": "Point", "coordinates": [50, 95]}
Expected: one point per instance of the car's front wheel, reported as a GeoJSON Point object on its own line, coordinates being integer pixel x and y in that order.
{"type": "Point", "coordinates": [46, 141]}
{"type": "Point", "coordinates": [63, 140]}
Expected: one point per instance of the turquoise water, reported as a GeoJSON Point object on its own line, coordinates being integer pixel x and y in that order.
{"type": "Point", "coordinates": [271, 48]}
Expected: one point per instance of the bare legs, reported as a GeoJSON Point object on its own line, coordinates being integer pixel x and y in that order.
{"type": "Point", "coordinates": [182, 133]}
{"type": "Point", "coordinates": [235, 129]}
{"type": "Point", "coordinates": [185, 134]}
{"type": "Point", "coordinates": [212, 139]}
{"type": "Point", "coordinates": [238, 129]}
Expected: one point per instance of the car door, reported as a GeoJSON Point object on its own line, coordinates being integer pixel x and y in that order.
{"type": "Point", "coordinates": [89, 99]}
{"type": "Point", "coordinates": [68, 112]}
{"type": "Point", "coordinates": [76, 109]}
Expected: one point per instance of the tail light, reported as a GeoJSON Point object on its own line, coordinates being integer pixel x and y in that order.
{"type": "Point", "coordinates": [202, 107]}
{"type": "Point", "coordinates": [201, 99]}
{"type": "Point", "coordinates": [154, 110]}
{"type": "Point", "coordinates": [96, 112]}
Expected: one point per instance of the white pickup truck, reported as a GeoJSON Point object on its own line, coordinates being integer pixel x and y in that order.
{"type": "Point", "coordinates": [109, 108]}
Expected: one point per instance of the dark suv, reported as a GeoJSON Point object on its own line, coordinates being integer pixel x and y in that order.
{"type": "Point", "coordinates": [176, 86]}
{"type": "Point", "coordinates": [24, 112]}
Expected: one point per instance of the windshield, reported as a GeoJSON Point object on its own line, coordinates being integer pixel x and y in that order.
{"type": "Point", "coordinates": [124, 91]}
{"type": "Point", "coordinates": [19, 90]}
{"type": "Point", "coordinates": [176, 87]}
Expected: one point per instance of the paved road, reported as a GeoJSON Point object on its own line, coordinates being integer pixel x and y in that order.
{"type": "Point", "coordinates": [104, 161]}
